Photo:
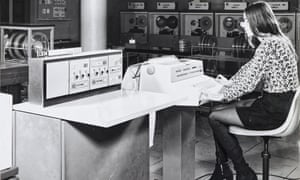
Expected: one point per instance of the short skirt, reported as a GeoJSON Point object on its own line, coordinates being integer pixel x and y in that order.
{"type": "Point", "coordinates": [267, 112]}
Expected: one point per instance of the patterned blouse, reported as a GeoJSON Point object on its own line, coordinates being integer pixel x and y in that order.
{"type": "Point", "coordinates": [273, 63]}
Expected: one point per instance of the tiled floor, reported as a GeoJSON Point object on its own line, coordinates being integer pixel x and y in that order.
{"type": "Point", "coordinates": [285, 154]}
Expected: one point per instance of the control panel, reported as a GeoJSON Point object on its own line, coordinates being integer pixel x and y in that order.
{"type": "Point", "coordinates": [186, 70]}
{"type": "Point", "coordinates": [136, 5]}
{"type": "Point", "coordinates": [52, 9]}
{"type": "Point", "coordinates": [115, 69]}
{"type": "Point", "coordinates": [165, 5]}
{"type": "Point", "coordinates": [95, 72]}
{"type": "Point", "coordinates": [240, 6]}
{"type": "Point", "coordinates": [197, 5]}
{"type": "Point", "coordinates": [79, 75]}
{"type": "Point", "coordinates": [60, 78]}
{"type": "Point", "coordinates": [99, 72]}
{"type": "Point", "coordinates": [280, 6]}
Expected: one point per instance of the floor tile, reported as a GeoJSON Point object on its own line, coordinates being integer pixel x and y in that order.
{"type": "Point", "coordinates": [285, 149]}
{"type": "Point", "coordinates": [285, 153]}
{"type": "Point", "coordinates": [205, 149]}
{"type": "Point", "coordinates": [156, 168]}
{"type": "Point", "coordinates": [296, 173]}
{"type": "Point", "coordinates": [247, 142]}
{"type": "Point", "coordinates": [278, 166]}
{"type": "Point", "coordinates": [203, 168]}
{"type": "Point", "coordinates": [155, 157]}
{"type": "Point", "coordinates": [154, 176]}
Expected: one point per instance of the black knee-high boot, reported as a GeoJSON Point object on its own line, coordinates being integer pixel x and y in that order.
{"type": "Point", "coordinates": [231, 147]}
{"type": "Point", "coordinates": [222, 170]}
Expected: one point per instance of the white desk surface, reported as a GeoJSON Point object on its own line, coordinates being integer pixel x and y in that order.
{"type": "Point", "coordinates": [104, 110]}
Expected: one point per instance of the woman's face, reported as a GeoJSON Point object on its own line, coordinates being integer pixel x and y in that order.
{"type": "Point", "coordinates": [246, 26]}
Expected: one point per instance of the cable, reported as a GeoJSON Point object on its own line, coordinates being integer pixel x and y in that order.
{"type": "Point", "coordinates": [273, 175]}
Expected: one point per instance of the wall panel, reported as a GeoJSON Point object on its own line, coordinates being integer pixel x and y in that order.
{"type": "Point", "coordinates": [114, 15]}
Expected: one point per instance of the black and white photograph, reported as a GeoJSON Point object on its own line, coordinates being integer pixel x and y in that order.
{"type": "Point", "coordinates": [149, 89]}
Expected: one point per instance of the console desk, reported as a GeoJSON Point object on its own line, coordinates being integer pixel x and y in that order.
{"type": "Point", "coordinates": [104, 136]}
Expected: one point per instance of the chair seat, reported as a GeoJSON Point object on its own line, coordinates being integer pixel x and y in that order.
{"type": "Point", "coordinates": [291, 123]}
{"type": "Point", "coordinates": [289, 126]}
{"type": "Point", "coordinates": [246, 132]}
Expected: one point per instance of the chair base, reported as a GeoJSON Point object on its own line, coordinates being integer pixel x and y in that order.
{"type": "Point", "coordinates": [266, 158]}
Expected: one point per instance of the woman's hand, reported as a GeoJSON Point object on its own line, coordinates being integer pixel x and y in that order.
{"type": "Point", "coordinates": [215, 93]}
{"type": "Point", "coordinates": [207, 96]}
{"type": "Point", "coordinates": [223, 80]}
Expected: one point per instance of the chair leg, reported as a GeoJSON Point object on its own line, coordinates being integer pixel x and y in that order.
{"type": "Point", "coordinates": [266, 157]}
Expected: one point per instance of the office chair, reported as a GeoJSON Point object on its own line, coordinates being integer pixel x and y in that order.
{"type": "Point", "coordinates": [287, 128]}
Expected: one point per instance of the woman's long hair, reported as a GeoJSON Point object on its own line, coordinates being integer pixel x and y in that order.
{"type": "Point", "coordinates": [263, 22]}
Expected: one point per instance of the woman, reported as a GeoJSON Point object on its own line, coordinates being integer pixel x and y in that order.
{"type": "Point", "coordinates": [275, 65]}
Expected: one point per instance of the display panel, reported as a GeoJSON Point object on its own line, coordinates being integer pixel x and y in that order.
{"type": "Point", "coordinates": [52, 9]}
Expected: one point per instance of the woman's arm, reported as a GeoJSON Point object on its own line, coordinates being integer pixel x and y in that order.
{"type": "Point", "coordinates": [246, 79]}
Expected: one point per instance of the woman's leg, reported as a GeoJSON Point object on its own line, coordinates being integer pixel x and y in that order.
{"type": "Point", "coordinates": [227, 116]}
{"type": "Point", "coordinates": [221, 154]}
{"type": "Point", "coordinates": [219, 121]}
{"type": "Point", "coordinates": [222, 169]}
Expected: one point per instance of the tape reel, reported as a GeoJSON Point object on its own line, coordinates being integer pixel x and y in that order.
{"type": "Point", "coordinates": [170, 22]}
{"type": "Point", "coordinates": [229, 23]}
{"type": "Point", "coordinates": [139, 21]}
{"type": "Point", "coordinates": [200, 26]}
{"type": "Point", "coordinates": [131, 20]}
{"type": "Point", "coordinates": [17, 44]}
{"type": "Point", "coordinates": [161, 21]}
{"type": "Point", "coordinates": [142, 21]}
{"type": "Point", "coordinates": [285, 24]}
{"type": "Point", "coordinates": [205, 23]}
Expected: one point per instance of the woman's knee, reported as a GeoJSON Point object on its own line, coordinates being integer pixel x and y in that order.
{"type": "Point", "coordinates": [214, 115]}
{"type": "Point", "coordinates": [228, 117]}
{"type": "Point", "coordinates": [212, 118]}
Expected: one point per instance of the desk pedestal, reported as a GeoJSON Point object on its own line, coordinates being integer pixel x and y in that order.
{"type": "Point", "coordinates": [54, 149]}
{"type": "Point", "coordinates": [178, 143]}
